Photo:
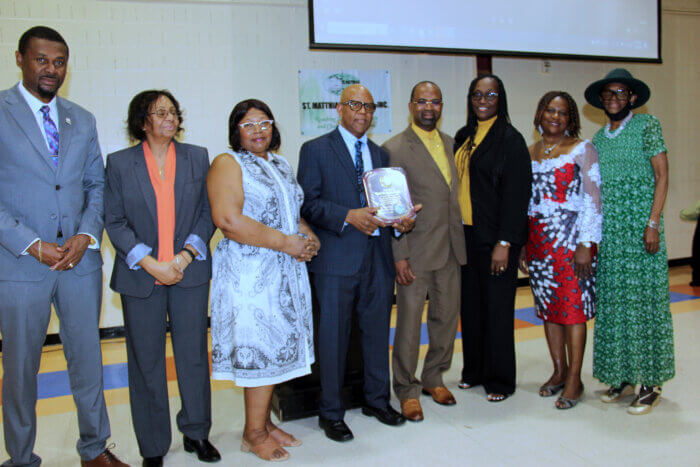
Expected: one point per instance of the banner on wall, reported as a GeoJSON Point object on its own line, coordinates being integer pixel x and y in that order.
{"type": "Point", "coordinates": [319, 93]}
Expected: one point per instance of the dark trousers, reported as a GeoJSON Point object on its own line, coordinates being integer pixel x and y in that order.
{"type": "Point", "coordinates": [369, 294]}
{"type": "Point", "coordinates": [145, 322]}
{"type": "Point", "coordinates": [488, 306]}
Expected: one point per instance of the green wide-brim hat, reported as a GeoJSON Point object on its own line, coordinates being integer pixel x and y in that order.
{"type": "Point", "coordinates": [618, 75]}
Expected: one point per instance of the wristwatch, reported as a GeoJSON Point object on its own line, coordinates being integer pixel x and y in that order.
{"type": "Point", "coordinates": [504, 243]}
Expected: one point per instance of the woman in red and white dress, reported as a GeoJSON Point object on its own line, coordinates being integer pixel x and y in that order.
{"type": "Point", "coordinates": [564, 230]}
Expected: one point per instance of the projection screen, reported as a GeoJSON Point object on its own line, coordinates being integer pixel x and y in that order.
{"type": "Point", "coordinates": [627, 30]}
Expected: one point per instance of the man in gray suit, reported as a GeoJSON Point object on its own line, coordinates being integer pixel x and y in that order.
{"type": "Point", "coordinates": [428, 259]}
{"type": "Point", "coordinates": [51, 224]}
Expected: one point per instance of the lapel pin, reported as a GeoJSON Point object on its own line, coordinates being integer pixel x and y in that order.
{"type": "Point", "coordinates": [68, 120]}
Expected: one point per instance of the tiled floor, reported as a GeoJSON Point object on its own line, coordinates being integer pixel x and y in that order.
{"type": "Point", "coordinates": [523, 430]}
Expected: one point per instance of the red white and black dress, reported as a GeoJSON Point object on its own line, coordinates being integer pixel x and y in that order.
{"type": "Point", "coordinates": [564, 210]}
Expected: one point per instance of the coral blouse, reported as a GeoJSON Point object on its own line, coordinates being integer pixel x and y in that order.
{"type": "Point", "coordinates": [164, 189]}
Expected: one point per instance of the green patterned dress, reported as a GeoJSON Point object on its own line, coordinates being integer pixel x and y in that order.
{"type": "Point", "coordinates": [633, 340]}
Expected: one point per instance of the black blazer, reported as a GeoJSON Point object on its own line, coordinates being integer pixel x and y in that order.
{"type": "Point", "coordinates": [500, 185]}
{"type": "Point", "coordinates": [327, 175]}
{"type": "Point", "coordinates": [131, 214]}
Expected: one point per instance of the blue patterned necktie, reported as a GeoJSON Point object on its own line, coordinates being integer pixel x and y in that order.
{"type": "Point", "coordinates": [360, 170]}
{"type": "Point", "coordinates": [51, 134]}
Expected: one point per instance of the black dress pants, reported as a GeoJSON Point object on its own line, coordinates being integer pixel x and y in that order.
{"type": "Point", "coordinates": [488, 306]}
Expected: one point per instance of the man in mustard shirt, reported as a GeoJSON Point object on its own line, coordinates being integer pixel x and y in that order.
{"type": "Point", "coordinates": [428, 259]}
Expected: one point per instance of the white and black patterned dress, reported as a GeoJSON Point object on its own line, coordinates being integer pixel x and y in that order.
{"type": "Point", "coordinates": [261, 322]}
{"type": "Point", "coordinates": [565, 210]}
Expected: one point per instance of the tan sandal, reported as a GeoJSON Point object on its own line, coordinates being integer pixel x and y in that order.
{"type": "Point", "coordinates": [265, 450]}
{"type": "Point", "coordinates": [285, 439]}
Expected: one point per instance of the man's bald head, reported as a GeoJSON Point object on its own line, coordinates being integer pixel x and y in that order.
{"type": "Point", "coordinates": [426, 84]}
{"type": "Point", "coordinates": [426, 105]}
{"type": "Point", "coordinates": [356, 90]}
{"type": "Point", "coordinates": [357, 121]}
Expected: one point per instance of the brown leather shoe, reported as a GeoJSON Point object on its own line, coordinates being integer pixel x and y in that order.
{"type": "Point", "coordinates": [104, 459]}
{"type": "Point", "coordinates": [441, 395]}
{"type": "Point", "coordinates": [411, 409]}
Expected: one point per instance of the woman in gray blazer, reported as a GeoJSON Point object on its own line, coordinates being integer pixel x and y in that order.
{"type": "Point", "coordinates": [158, 219]}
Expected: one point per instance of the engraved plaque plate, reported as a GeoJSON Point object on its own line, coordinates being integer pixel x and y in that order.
{"type": "Point", "coordinates": [387, 189]}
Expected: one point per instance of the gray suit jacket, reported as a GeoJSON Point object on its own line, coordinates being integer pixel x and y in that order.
{"type": "Point", "coordinates": [438, 231]}
{"type": "Point", "coordinates": [131, 214]}
{"type": "Point", "coordinates": [34, 194]}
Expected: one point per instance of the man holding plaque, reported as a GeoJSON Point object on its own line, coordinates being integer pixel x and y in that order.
{"type": "Point", "coordinates": [428, 260]}
{"type": "Point", "coordinates": [354, 269]}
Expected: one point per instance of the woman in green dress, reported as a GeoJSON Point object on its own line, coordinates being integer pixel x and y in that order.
{"type": "Point", "coordinates": [633, 339]}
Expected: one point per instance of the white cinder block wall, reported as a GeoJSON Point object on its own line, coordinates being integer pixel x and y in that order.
{"type": "Point", "coordinates": [212, 54]}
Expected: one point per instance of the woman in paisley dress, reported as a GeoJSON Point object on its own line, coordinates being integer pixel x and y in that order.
{"type": "Point", "coordinates": [564, 229]}
{"type": "Point", "coordinates": [633, 340]}
{"type": "Point", "coordinates": [261, 322]}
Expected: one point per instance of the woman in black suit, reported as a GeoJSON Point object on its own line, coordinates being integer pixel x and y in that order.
{"type": "Point", "coordinates": [158, 219]}
{"type": "Point", "coordinates": [495, 180]}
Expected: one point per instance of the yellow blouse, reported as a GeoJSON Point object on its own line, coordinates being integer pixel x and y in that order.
{"type": "Point", "coordinates": [462, 157]}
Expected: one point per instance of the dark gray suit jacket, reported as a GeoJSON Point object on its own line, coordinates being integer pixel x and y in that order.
{"type": "Point", "coordinates": [34, 194]}
{"type": "Point", "coordinates": [131, 214]}
{"type": "Point", "coordinates": [327, 175]}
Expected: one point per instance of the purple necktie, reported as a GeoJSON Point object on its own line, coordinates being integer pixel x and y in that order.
{"type": "Point", "coordinates": [51, 134]}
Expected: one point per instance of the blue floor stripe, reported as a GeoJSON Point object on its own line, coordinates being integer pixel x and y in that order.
{"type": "Point", "coordinates": [528, 315]}
{"type": "Point", "coordinates": [56, 383]}
{"type": "Point", "coordinates": [681, 297]}
{"type": "Point", "coordinates": [115, 376]}
{"type": "Point", "coordinates": [53, 384]}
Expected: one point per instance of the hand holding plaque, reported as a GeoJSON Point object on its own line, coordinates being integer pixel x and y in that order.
{"type": "Point", "coordinates": [387, 190]}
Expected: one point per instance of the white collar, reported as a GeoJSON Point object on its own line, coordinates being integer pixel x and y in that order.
{"type": "Point", "coordinates": [351, 139]}
{"type": "Point", "coordinates": [612, 134]}
{"type": "Point", "coordinates": [34, 103]}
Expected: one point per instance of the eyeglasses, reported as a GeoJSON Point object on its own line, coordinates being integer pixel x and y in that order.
{"type": "Point", "coordinates": [619, 94]}
{"type": "Point", "coordinates": [489, 96]}
{"type": "Point", "coordinates": [262, 125]}
{"type": "Point", "coordinates": [162, 113]}
{"type": "Point", "coordinates": [357, 105]}
{"type": "Point", "coordinates": [424, 102]}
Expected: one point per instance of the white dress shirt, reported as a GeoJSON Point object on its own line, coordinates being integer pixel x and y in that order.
{"type": "Point", "coordinates": [36, 105]}
{"type": "Point", "coordinates": [350, 141]}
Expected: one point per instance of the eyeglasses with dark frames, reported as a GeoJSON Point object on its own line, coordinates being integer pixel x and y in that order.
{"type": "Point", "coordinates": [490, 96]}
{"type": "Point", "coordinates": [619, 94]}
{"type": "Point", "coordinates": [355, 106]}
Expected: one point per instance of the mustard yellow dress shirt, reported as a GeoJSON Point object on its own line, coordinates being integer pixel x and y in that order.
{"type": "Point", "coordinates": [464, 153]}
{"type": "Point", "coordinates": [433, 143]}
